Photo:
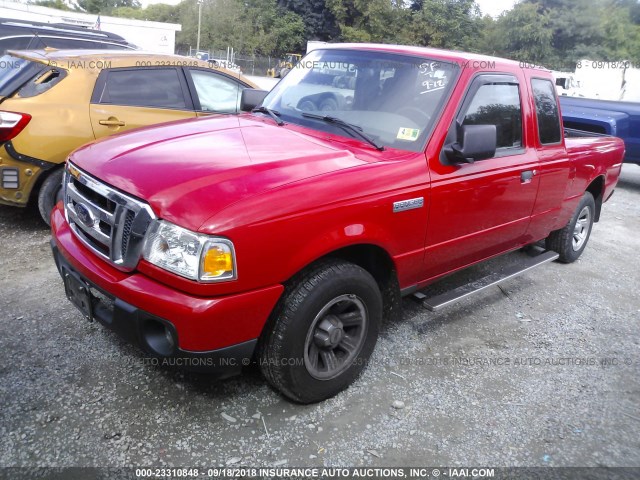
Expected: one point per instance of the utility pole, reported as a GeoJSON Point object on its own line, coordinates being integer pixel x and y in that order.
{"type": "Point", "coordinates": [199, 22]}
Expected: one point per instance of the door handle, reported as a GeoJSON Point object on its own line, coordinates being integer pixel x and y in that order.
{"type": "Point", "coordinates": [112, 122]}
{"type": "Point", "coordinates": [527, 176]}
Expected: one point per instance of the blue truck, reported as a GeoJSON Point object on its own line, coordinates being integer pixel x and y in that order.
{"type": "Point", "coordinates": [620, 119]}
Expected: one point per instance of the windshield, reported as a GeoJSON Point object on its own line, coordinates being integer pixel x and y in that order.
{"type": "Point", "coordinates": [392, 99]}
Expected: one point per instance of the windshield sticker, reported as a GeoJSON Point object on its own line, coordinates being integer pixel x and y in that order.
{"type": "Point", "coordinates": [410, 134]}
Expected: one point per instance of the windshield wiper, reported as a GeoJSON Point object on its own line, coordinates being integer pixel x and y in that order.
{"type": "Point", "coordinates": [275, 115]}
{"type": "Point", "coordinates": [349, 127]}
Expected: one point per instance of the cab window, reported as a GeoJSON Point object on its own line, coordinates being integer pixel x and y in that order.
{"type": "Point", "coordinates": [546, 111]}
{"type": "Point", "coordinates": [498, 104]}
{"type": "Point", "coordinates": [144, 87]}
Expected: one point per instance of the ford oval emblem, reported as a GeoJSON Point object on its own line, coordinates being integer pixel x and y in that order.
{"type": "Point", "coordinates": [85, 215]}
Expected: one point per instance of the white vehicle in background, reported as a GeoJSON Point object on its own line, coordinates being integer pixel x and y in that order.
{"type": "Point", "coordinates": [226, 63]}
{"type": "Point", "coordinates": [567, 85]}
{"type": "Point", "coordinates": [609, 80]}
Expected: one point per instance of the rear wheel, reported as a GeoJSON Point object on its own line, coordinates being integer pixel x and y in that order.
{"type": "Point", "coordinates": [50, 193]}
{"type": "Point", "coordinates": [322, 333]}
{"type": "Point", "coordinates": [329, 104]}
{"type": "Point", "coordinates": [571, 240]}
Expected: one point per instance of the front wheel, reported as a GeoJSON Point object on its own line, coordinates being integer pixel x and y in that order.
{"type": "Point", "coordinates": [322, 332]}
{"type": "Point", "coordinates": [50, 193]}
{"type": "Point", "coordinates": [571, 240]}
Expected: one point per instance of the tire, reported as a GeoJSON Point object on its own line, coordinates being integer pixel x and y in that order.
{"type": "Point", "coordinates": [50, 193]}
{"type": "Point", "coordinates": [341, 82]}
{"type": "Point", "coordinates": [306, 351]}
{"type": "Point", "coordinates": [307, 106]}
{"type": "Point", "coordinates": [571, 240]}
{"type": "Point", "coordinates": [328, 104]}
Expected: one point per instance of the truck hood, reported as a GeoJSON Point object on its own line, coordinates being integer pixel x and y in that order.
{"type": "Point", "coordinates": [190, 170]}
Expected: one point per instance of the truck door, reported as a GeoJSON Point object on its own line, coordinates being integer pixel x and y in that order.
{"type": "Point", "coordinates": [483, 208]}
{"type": "Point", "coordinates": [555, 166]}
{"type": "Point", "coordinates": [126, 98]}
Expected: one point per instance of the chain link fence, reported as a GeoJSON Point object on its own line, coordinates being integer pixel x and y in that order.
{"type": "Point", "coordinates": [249, 64]}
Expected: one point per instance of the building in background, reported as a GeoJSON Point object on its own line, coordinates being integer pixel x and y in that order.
{"type": "Point", "coordinates": [152, 36]}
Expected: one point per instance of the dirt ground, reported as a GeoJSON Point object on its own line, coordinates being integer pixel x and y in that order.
{"type": "Point", "coordinates": [542, 372]}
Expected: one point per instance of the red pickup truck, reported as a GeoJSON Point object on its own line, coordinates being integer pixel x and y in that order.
{"type": "Point", "coordinates": [285, 235]}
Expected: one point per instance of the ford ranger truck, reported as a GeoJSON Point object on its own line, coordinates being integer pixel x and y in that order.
{"type": "Point", "coordinates": [284, 236]}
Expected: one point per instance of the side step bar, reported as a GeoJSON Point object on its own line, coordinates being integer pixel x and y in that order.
{"type": "Point", "coordinates": [440, 301]}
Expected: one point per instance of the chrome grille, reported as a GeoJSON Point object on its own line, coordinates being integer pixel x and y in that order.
{"type": "Point", "coordinates": [126, 231]}
{"type": "Point", "coordinates": [109, 222]}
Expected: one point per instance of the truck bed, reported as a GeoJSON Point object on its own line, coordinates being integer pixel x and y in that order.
{"type": "Point", "coordinates": [585, 145]}
{"type": "Point", "coordinates": [621, 119]}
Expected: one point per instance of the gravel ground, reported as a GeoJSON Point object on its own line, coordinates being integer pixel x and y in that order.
{"type": "Point", "coordinates": [543, 372]}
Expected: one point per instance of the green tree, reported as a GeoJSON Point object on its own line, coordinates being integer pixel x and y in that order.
{"type": "Point", "coordinates": [250, 26]}
{"type": "Point", "coordinates": [524, 33]}
{"type": "Point", "coordinates": [632, 5]}
{"type": "Point", "coordinates": [319, 21]}
{"type": "Point", "coordinates": [59, 4]}
{"type": "Point", "coordinates": [452, 24]}
{"type": "Point", "coordinates": [622, 32]}
{"type": "Point", "coordinates": [128, 12]}
{"type": "Point", "coordinates": [577, 29]}
{"type": "Point", "coordinates": [105, 6]}
{"type": "Point", "coordinates": [157, 12]}
{"type": "Point", "coordinates": [488, 40]}
{"type": "Point", "coordinates": [593, 29]}
{"type": "Point", "coordinates": [367, 20]}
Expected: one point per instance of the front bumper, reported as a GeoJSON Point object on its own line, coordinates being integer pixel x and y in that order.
{"type": "Point", "coordinates": [217, 334]}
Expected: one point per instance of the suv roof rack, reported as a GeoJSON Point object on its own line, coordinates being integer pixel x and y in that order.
{"type": "Point", "coordinates": [11, 26]}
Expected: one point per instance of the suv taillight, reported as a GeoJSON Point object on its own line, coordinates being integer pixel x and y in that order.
{"type": "Point", "coordinates": [11, 124]}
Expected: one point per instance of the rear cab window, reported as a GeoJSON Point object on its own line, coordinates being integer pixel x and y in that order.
{"type": "Point", "coordinates": [544, 94]}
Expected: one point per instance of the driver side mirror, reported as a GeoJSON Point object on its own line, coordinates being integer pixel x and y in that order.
{"type": "Point", "coordinates": [475, 142]}
{"type": "Point", "coordinates": [251, 98]}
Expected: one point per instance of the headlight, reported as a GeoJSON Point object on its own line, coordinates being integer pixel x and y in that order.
{"type": "Point", "coordinates": [191, 255]}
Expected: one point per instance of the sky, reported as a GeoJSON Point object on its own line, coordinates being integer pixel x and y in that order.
{"type": "Point", "coordinates": [495, 7]}
{"type": "Point", "coordinates": [492, 7]}
{"type": "Point", "coordinates": [145, 3]}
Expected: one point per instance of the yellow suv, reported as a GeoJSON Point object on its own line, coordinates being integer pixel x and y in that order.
{"type": "Point", "coordinates": [53, 101]}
